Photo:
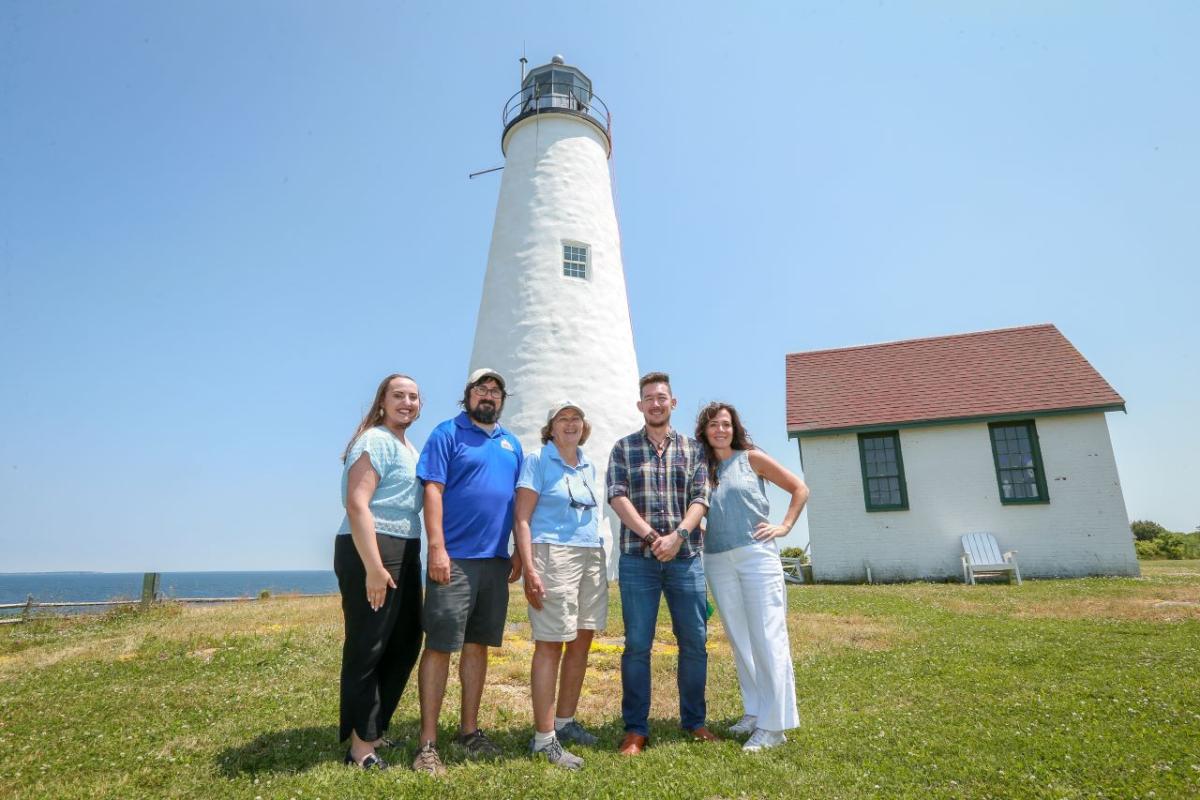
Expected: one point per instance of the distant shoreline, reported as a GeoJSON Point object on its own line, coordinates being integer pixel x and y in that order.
{"type": "Point", "coordinates": [162, 572]}
{"type": "Point", "coordinates": [92, 586]}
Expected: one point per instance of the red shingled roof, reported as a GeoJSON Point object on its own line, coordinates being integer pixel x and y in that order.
{"type": "Point", "coordinates": [970, 375]}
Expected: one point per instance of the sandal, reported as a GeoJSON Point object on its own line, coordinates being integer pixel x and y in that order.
{"type": "Point", "coordinates": [372, 761]}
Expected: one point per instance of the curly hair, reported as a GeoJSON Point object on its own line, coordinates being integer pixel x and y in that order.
{"type": "Point", "coordinates": [741, 439]}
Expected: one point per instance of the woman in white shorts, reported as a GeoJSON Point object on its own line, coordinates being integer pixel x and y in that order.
{"type": "Point", "coordinates": [565, 576]}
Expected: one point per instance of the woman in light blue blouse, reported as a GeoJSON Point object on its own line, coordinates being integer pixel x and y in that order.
{"type": "Point", "coordinates": [377, 558]}
{"type": "Point", "coordinates": [565, 576]}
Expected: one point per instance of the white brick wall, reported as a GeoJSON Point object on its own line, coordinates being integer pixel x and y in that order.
{"type": "Point", "coordinates": [1083, 530]}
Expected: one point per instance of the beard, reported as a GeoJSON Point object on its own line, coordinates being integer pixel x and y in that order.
{"type": "Point", "coordinates": [485, 412]}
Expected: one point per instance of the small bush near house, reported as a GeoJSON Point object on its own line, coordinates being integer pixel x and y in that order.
{"type": "Point", "coordinates": [795, 552]}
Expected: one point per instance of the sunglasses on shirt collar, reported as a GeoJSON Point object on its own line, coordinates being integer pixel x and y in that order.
{"type": "Point", "coordinates": [579, 503]}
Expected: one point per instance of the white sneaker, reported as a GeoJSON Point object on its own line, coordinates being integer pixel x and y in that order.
{"type": "Point", "coordinates": [745, 725]}
{"type": "Point", "coordinates": [556, 755]}
{"type": "Point", "coordinates": [762, 740]}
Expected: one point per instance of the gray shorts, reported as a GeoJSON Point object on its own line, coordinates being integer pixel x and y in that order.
{"type": "Point", "coordinates": [471, 608]}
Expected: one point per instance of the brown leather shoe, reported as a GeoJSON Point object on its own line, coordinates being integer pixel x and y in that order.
{"type": "Point", "coordinates": [633, 743]}
{"type": "Point", "coordinates": [703, 734]}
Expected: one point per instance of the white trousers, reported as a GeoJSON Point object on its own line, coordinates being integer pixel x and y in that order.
{"type": "Point", "coordinates": [747, 583]}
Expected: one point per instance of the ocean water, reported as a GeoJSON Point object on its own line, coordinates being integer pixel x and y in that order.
{"type": "Point", "coordinates": [49, 587]}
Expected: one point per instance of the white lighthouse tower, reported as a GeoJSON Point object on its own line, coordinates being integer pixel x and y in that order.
{"type": "Point", "coordinates": [554, 317]}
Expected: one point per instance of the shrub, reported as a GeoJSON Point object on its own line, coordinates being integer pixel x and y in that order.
{"type": "Point", "coordinates": [1171, 545]}
{"type": "Point", "coordinates": [795, 552]}
{"type": "Point", "coordinates": [1145, 530]}
{"type": "Point", "coordinates": [1191, 545]}
{"type": "Point", "coordinates": [1147, 550]}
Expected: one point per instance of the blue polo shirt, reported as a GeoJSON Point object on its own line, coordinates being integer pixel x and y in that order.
{"type": "Point", "coordinates": [555, 520]}
{"type": "Point", "coordinates": [480, 475]}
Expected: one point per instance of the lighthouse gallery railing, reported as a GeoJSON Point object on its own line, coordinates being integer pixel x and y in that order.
{"type": "Point", "coordinates": [556, 98]}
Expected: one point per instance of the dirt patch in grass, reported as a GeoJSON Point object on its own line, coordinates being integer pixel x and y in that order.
{"type": "Point", "coordinates": [260, 617]}
{"type": "Point", "coordinates": [821, 633]}
{"type": "Point", "coordinates": [1148, 602]}
{"type": "Point", "coordinates": [40, 659]}
{"type": "Point", "coordinates": [508, 675]}
{"type": "Point", "coordinates": [1165, 605]}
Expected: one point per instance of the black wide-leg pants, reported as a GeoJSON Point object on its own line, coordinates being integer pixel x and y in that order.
{"type": "Point", "coordinates": [381, 646]}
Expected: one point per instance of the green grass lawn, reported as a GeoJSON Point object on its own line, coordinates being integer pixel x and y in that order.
{"type": "Point", "coordinates": [1056, 689]}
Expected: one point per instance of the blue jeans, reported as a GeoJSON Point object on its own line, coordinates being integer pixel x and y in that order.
{"type": "Point", "coordinates": [643, 581]}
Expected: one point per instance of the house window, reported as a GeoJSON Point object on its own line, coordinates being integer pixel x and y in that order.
{"type": "Point", "coordinates": [882, 471]}
{"type": "Point", "coordinates": [575, 260]}
{"type": "Point", "coordinates": [1019, 470]}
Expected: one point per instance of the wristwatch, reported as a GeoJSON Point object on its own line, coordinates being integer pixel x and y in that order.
{"type": "Point", "coordinates": [682, 531]}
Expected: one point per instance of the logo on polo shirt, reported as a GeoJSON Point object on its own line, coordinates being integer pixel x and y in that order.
{"type": "Point", "coordinates": [506, 444]}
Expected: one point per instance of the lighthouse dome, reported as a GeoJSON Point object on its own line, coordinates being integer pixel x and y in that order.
{"type": "Point", "coordinates": [556, 88]}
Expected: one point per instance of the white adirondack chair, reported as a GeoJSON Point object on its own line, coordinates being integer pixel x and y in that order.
{"type": "Point", "coordinates": [792, 572]}
{"type": "Point", "coordinates": [793, 568]}
{"type": "Point", "coordinates": [982, 556]}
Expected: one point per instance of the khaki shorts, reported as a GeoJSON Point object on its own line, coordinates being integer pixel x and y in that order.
{"type": "Point", "coordinates": [576, 582]}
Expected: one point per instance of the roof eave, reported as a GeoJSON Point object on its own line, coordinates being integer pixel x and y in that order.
{"type": "Point", "coordinates": [800, 433]}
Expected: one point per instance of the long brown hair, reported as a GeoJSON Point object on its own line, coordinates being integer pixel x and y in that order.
{"type": "Point", "coordinates": [741, 439]}
{"type": "Point", "coordinates": [374, 414]}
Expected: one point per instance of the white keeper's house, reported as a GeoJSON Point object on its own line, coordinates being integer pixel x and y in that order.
{"type": "Point", "coordinates": [909, 445]}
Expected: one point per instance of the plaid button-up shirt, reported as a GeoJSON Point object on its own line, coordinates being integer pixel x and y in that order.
{"type": "Point", "coordinates": [660, 487]}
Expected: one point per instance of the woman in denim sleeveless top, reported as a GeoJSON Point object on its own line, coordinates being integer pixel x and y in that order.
{"type": "Point", "coordinates": [741, 563]}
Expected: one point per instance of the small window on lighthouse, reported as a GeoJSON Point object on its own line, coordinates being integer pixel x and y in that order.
{"type": "Point", "coordinates": [575, 260]}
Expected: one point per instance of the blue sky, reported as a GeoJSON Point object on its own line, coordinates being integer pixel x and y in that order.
{"type": "Point", "coordinates": [221, 223]}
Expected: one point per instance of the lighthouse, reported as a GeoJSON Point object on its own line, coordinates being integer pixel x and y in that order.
{"type": "Point", "coordinates": [554, 315]}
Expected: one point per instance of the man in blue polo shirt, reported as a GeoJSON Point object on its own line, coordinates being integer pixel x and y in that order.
{"type": "Point", "coordinates": [469, 467]}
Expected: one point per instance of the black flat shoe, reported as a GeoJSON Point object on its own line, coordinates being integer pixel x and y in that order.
{"type": "Point", "coordinates": [370, 762]}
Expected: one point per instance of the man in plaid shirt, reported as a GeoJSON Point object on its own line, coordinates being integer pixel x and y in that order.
{"type": "Point", "coordinates": [658, 486]}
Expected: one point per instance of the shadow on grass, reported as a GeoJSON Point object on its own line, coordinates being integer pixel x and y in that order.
{"type": "Point", "coordinates": [294, 750]}
{"type": "Point", "coordinates": [283, 751]}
